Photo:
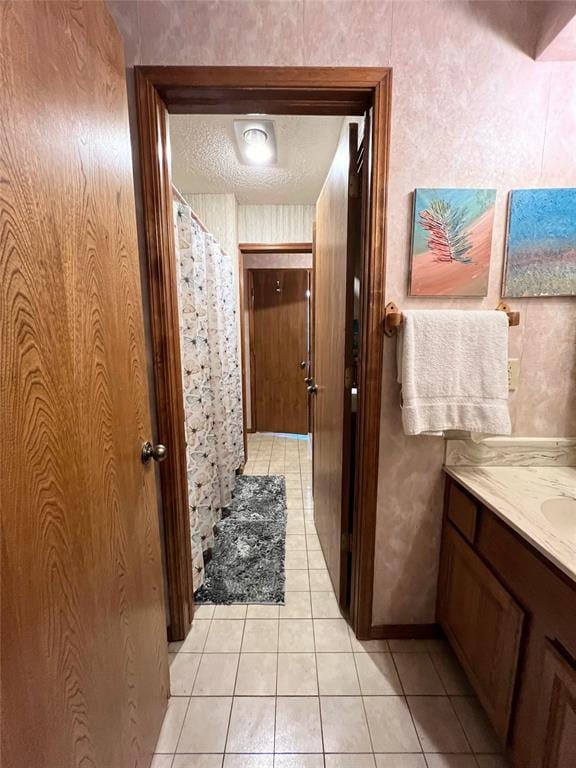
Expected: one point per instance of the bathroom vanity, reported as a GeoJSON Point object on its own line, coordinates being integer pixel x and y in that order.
{"type": "Point", "coordinates": [507, 601]}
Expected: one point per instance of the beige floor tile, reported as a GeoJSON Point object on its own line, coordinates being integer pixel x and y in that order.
{"type": "Point", "coordinates": [297, 674]}
{"type": "Point", "coordinates": [296, 636]}
{"type": "Point", "coordinates": [216, 675]}
{"type": "Point", "coordinates": [161, 761]}
{"type": "Point", "coordinates": [324, 605]}
{"type": "Point", "coordinates": [230, 612]}
{"type": "Point", "coordinates": [367, 646]}
{"type": "Point", "coordinates": [293, 480]}
{"type": "Point", "coordinates": [224, 636]}
{"type": "Point", "coordinates": [310, 527]}
{"type": "Point", "coordinates": [249, 761]}
{"type": "Point", "coordinates": [298, 724]}
{"type": "Point", "coordinates": [197, 761]}
{"type": "Point", "coordinates": [344, 726]}
{"type": "Point", "coordinates": [263, 612]}
{"type": "Point", "coordinates": [337, 674]}
{"type": "Point", "coordinates": [298, 761]}
{"type": "Point", "coordinates": [377, 674]}
{"type": "Point", "coordinates": [297, 581]}
{"type": "Point", "coordinates": [295, 543]}
{"type": "Point", "coordinates": [408, 646]}
{"type": "Point", "coordinates": [295, 527]}
{"type": "Point", "coordinates": [331, 636]}
{"type": "Point", "coordinates": [256, 674]}
{"type": "Point", "coordinates": [260, 636]}
{"type": "Point", "coordinates": [478, 730]}
{"type": "Point", "coordinates": [297, 606]}
{"type": "Point", "coordinates": [350, 761]}
{"type": "Point", "coordinates": [194, 642]}
{"type": "Point", "coordinates": [320, 581]}
{"type": "Point", "coordinates": [172, 725]}
{"type": "Point", "coordinates": [252, 724]}
{"type": "Point", "coordinates": [206, 724]}
{"type": "Point", "coordinates": [204, 611]}
{"type": "Point", "coordinates": [312, 542]}
{"type": "Point", "coordinates": [183, 669]}
{"type": "Point", "coordinates": [437, 724]}
{"type": "Point", "coordinates": [390, 724]}
{"type": "Point", "coordinates": [316, 560]}
{"type": "Point", "coordinates": [451, 674]}
{"type": "Point", "coordinates": [296, 560]}
{"type": "Point", "coordinates": [451, 761]}
{"type": "Point", "coordinates": [418, 675]}
{"type": "Point", "coordinates": [400, 761]}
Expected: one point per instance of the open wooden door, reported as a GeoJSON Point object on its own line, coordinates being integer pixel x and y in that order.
{"type": "Point", "coordinates": [279, 350]}
{"type": "Point", "coordinates": [84, 674]}
{"type": "Point", "coordinates": [337, 247]}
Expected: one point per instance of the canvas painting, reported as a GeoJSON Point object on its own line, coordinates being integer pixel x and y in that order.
{"type": "Point", "coordinates": [541, 243]}
{"type": "Point", "coordinates": [451, 242]}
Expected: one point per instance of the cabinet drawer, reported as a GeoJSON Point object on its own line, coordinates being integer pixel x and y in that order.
{"type": "Point", "coordinates": [483, 623]}
{"type": "Point", "coordinates": [462, 512]}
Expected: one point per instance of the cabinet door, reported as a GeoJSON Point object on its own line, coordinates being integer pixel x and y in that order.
{"type": "Point", "coordinates": [557, 713]}
{"type": "Point", "coordinates": [483, 623]}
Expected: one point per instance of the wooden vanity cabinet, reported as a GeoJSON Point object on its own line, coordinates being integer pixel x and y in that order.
{"type": "Point", "coordinates": [510, 616]}
{"type": "Point", "coordinates": [484, 625]}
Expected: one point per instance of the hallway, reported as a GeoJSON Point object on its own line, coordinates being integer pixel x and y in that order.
{"type": "Point", "coordinates": [291, 687]}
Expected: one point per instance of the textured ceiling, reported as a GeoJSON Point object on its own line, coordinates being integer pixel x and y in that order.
{"type": "Point", "coordinates": [204, 158]}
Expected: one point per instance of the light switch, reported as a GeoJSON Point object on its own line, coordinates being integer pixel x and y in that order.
{"type": "Point", "coordinates": [513, 373]}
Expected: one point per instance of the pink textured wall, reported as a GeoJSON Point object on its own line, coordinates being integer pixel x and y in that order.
{"type": "Point", "coordinates": [470, 107]}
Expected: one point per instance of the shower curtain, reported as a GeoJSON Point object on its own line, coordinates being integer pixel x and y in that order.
{"type": "Point", "coordinates": [211, 378]}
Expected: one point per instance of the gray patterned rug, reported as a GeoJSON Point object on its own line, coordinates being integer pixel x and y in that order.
{"type": "Point", "coordinates": [247, 564]}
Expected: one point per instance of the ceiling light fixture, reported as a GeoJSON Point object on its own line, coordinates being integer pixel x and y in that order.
{"type": "Point", "coordinates": [255, 141]}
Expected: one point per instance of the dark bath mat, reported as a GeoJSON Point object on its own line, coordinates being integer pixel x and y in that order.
{"type": "Point", "coordinates": [247, 564]}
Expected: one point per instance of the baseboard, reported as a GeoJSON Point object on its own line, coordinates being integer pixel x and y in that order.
{"type": "Point", "coordinates": [250, 430]}
{"type": "Point", "coordinates": [406, 632]}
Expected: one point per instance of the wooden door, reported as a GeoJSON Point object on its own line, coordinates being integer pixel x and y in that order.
{"type": "Point", "coordinates": [84, 678]}
{"type": "Point", "coordinates": [279, 350]}
{"type": "Point", "coordinates": [337, 244]}
{"type": "Point", "coordinates": [556, 723]}
{"type": "Point", "coordinates": [484, 625]}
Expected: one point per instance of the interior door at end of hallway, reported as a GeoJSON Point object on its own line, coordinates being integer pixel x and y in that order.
{"type": "Point", "coordinates": [84, 670]}
{"type": "Point", "coordinates": [280, 358]}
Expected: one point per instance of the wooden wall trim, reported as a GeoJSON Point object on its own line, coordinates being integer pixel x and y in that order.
{"type": "Point", "coordinates": [164, 316]}
{"type": "Point", "coordinates": [275, 247]}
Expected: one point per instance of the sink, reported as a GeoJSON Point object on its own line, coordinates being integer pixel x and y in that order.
{"type": "Point", "coordinates": [561, 512]}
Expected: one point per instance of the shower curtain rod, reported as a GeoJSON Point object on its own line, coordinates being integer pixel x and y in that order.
{"type": "Point", "coordinates": [180, 197]}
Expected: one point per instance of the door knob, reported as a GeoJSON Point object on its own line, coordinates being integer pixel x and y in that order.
{"type": "Point", "coordinates": [303, 364]}
{"type": "Point", "coordinates": [156, 452]}
{"type": "Point", "coordinates": [312, 389]}
{"type": "Point", "coordinates": [308, 380]}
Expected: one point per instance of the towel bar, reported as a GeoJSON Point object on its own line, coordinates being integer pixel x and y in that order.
{"type": "Point", "coordinates": [393, 316]}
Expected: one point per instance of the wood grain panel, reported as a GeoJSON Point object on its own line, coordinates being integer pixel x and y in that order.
{"type": "Point", "coordinates": [84, 677]}
{"type": "Point", "coordinates": [556, 722]}
{"type": "Point", "coordinates": [279, 345]}
{"type": "Point", "coordinates": [333, 307]}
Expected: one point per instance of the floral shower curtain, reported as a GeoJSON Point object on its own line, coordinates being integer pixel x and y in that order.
{"type": "Point", "coordinates": [211, 378]}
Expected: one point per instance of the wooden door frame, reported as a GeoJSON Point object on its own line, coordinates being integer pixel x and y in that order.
{"type": "Point", "coordinates": [245, 249]}
{"type": "Point", "coordinates": [346, 91]}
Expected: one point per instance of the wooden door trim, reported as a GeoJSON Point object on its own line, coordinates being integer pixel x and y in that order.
{"type": "Point", "coordinates": [275, 247]}
{"type": "Point", "coordinates": [277, 90]}
{"type": "Point", "coordinates": [167, 367]}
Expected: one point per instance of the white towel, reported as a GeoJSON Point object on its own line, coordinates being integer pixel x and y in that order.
{"type": "Point", "coordinates": [452, 365]}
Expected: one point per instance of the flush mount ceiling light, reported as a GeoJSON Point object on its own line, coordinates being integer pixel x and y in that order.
{"type": "Point", "coordinates": [255, 141]}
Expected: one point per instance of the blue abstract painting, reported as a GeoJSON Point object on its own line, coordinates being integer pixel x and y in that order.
{"type": "Point", "coordinates": [541, 243]}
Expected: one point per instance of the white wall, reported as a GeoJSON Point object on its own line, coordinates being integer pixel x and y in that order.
{"type": "Point", "coordinates": [275, 223]}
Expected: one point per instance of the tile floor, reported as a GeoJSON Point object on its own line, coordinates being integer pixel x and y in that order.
{"type": "Point", "coordinates": [263, 686]}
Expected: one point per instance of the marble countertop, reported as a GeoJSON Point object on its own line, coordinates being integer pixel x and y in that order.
{"type": "Point", "coordinates": [515, 494]}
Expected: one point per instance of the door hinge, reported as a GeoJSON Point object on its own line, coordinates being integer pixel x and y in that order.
{"type": "Point", "coordinates": [349, 377]}
{"type": "Point", "coordinates": [346, 543]}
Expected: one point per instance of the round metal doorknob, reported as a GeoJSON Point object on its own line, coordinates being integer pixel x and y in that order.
{"type": "Point", "coordinates": [156, 452]}
{"type": "Point", "coordinates": [312, 389]}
